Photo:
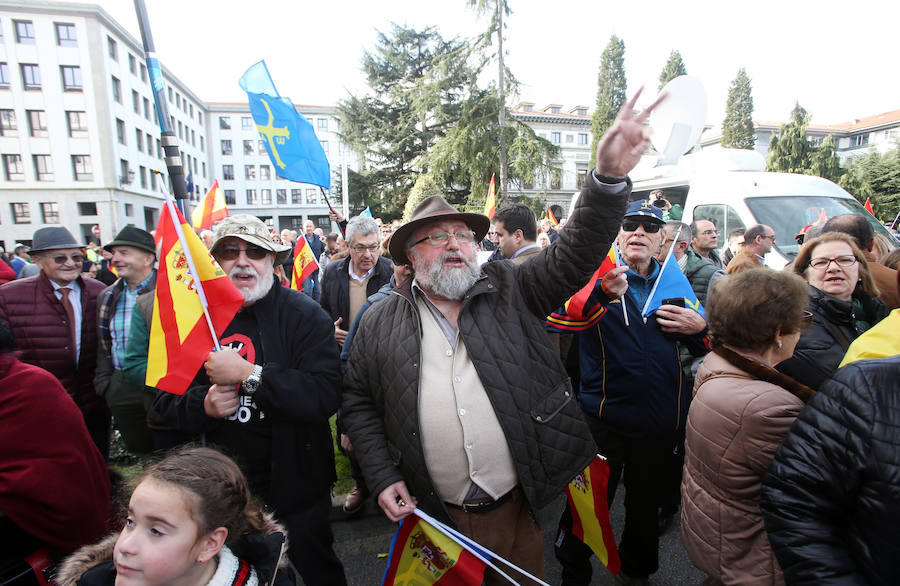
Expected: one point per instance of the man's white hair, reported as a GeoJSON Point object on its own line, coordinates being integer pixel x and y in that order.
{"type": "Point", "coordinates": [361, 226]}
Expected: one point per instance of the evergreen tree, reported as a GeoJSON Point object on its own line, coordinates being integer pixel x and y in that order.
{"type": "Point", "coordinates": [824, 161]}
{"type": "Point", "coordinates": [876, 176]}
{"type": "Point", "coordinates": [611, 88]}
{"type": "Point", "coordinates": [789, 149]}
{"type": "Point", "coordinates": [674, 67]}
{"type": "Point", "coordinates": [737, 129]}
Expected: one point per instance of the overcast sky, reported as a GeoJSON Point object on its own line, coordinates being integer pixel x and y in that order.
{"type": "Point", "coordinates": [837, 58]}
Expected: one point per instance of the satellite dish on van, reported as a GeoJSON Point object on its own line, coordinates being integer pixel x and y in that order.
{"type": "Point", "coordinates": [677, 122]}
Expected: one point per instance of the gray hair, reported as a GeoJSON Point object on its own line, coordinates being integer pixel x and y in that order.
{"type": "Point", "coordinates": [361, 226]}
{"type": "Point", "coordinates": [672, 228]}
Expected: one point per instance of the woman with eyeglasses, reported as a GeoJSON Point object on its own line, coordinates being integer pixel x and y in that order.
{"type": "Point", "coordinates": [843, 301]}
{"type": "Point", "coordinates": [741, 411]}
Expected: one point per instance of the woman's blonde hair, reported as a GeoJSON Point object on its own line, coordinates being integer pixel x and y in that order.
{"type": "Point", "coordinates": [865, 286]}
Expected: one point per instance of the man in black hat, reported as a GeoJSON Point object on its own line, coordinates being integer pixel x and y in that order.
{"type": "Point", "coordinates": [53, 316]}
{"type": "Point", "coordinates": [134, 258]}
{"type": "Point", "coordinates": [454, 398]}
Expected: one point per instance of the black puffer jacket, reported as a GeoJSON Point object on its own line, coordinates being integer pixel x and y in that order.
{"type": "Point", "coordinates": [831, 500]}
{"type": "Point", "coordinates": [335, 297]}
{"type": "Point", "coordinates": [822, 347]}
{"type": "Point", "coordinates": [501, 322]}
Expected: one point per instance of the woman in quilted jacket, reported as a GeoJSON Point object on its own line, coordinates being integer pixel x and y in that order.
{"type": "Point", "coordinates": [742, 409]}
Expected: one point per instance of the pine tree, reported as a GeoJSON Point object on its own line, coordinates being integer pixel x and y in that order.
{"type": "Point", "coordinates": [611, 88]}
{"type": "Point", "coordinates": [674, 67]}
{"type": "Point", "coordinates": [737, 129]}
{"type": "Point", "coordinates": [876, 176]}
{"type": "Point", "coordinates": [789, 149]}
{"type": "Point", "coordinates": [824, 161]}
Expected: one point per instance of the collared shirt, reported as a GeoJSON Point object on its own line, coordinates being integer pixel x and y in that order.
{"type": "Point", "coordinates": [523, 249]}
{"type": "Point", "coordinates": [120, 324]}
{"type": "Point", "coordinates": [75, 300]}
{"type": "Point", "coordinates": [352, 272]}
{"type": "Point", "coordinates": [447, 328]}
{"type": "Point", "coordinates": [762, 259]}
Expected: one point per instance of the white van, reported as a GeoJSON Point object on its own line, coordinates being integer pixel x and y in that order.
{"type": "Point", "coordinates": [731, 188]}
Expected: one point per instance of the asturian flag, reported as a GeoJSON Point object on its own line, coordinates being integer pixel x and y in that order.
{"type": "Point", "coordinates": [671, 283]}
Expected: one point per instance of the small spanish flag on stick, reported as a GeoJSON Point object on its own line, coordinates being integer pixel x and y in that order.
{"type": "Point", "coordinates": [211, 209]}
{"type": "Point", "coordinates": [305, 263]}
{"type": "Point", "coordinates": [490, 204]}
{"type": "Point", "coordinates": [590, 513]}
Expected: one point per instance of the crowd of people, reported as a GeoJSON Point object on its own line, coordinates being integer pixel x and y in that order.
{"type": "Point", "coordinates": [768, 420]}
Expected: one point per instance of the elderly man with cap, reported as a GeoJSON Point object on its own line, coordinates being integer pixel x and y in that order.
{"type": "Point", "coordinates": [266, 398]}
{"type": "Point", "coordinates": [633, 394]}
{"type": "Point", "coordinates": [53, 317]}
{"type": "Point", "coordinates": [454, 398]}
{"type": "Point", "coordinates": [133, 256]}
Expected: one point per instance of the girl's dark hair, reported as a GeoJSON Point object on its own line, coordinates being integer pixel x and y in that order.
{"type": "Point", "coordinates": [221, 497]}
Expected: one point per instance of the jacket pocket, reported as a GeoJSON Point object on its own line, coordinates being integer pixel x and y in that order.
{"type": "Point", "coordinates": [551, 405]}
{"type": "Point", "coordinates": [395, 453]}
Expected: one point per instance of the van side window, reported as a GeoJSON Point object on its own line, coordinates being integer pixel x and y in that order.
{"type": "Point", "coordinates": [713, 213]}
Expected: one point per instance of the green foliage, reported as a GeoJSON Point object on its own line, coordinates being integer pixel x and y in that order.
{"type": "Point", "coordinates": [824, 161]}
{"type": "Point", "coordinates": [674, 67]}
{"type": "Point", "coordinates": [789, 149]}
{"type": "Point", "coordinates": [876, 176]}
{"type": "Point", "coordinates": [611, 88]}
{"type": "Point", "coordinates": [737, 129]}
{"type": "Point", "coordinates": [425, 187]}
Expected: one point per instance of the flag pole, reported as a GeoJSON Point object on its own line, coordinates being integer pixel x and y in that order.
{"type": "Point", "coordinates": [192, 269]}
{"type": "Point", "coordinates": [328, 203]}
{"type": "Point", "coordinates": [656, 283]}
{"type": "Point", "coordinates": [167, 135]}
{"type": "Point", "coordinates": [624, 309]}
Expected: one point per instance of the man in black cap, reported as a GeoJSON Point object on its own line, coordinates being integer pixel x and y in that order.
{"type": "Point", "coordinates": [134, 257]}
{"type": "Point", "coordinates": [53, 316]}
{"type": "Point", "coordinates": [454, 398]}
{"type": "Point", "coordinates": [633, 394]}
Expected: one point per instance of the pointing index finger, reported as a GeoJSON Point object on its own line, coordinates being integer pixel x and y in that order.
{"type": "Point", "coordinates": [646, 112]}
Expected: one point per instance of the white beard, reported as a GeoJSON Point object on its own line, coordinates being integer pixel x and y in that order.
{"type": "Point", "coordinates": [258, 291]}
{"type": "Point", "coordinates": [449, 284]}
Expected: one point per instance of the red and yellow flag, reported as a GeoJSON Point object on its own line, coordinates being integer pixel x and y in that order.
{"type": "Point", "coordinates": [551, 216]}
{"type": "Point", "coordinates": [211, 208]}
{"type": "Point", "coordinates": [575, 315]}
{"type": "Point", "coordinates": [180, 339]}
{"type": "Point", "coordinates": [590, 513]}
{"type": "Point", "coordinates": [490, 204]}
{"type": "Point", "coordinates": [868, 206]}
{"type": "Point", "coordinates": [305, 263]}
{"type": "Point", "coordinates": [421, 554]}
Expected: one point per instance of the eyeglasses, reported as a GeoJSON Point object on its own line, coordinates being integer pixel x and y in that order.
{"type": "Point", "coordinates": [491, 233]}
{"type": "Point", "coordinates": [61, 259]}
{"type": "Point", "coordinates": [649, 227]}
{"type": "Point", "coordinates": [252, 252]}
{"type": "Point", "coordinates": [442, 238]}
{"type": "Point", "coordinates": [709, 232]}
{"type": "Point", "coordinates": [770, 236]}
{"type": "Point", "coordinates": [821, 263]}
{"type": "Point", "coordinates": [361, 249]}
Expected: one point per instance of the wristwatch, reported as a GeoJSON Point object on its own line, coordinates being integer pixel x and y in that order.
{"type": "Point", "coordinates": [251, 384]}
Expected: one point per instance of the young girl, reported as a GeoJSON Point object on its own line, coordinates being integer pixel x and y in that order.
{"type": "Point", "coordinates": [191, 521]}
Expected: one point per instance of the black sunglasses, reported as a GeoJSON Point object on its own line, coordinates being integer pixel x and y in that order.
{"type": "Point", "coordinates": [649, 227]}
{"type": "Point", "coordinates": [252, 252]}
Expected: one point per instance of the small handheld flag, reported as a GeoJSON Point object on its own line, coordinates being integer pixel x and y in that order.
{"type": "Point", "coordinates": [305, 263]}
{"type": "Point", "coordinates": [211, 209]}
{"type": "Point", "coordinates": [590, 512]}
{"type": "Point", "coordinates": [490, 204]}
{"type": "Point", "coordinates": [421, 554]}
{"type": "Point", "coordinates": [551, 216]}
{"type": "Point", "coordinates": [670, 283]}
{"type": "Point", "coordinates": [366, 212]}
{"type": "Point", "coordinates": [576, 314]}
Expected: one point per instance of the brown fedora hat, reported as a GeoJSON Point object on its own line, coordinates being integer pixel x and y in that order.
{"type": "Point", "coordinates": [434, 208]}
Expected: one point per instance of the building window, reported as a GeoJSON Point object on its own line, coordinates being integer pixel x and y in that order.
{"type": "Point", "coordinates": [87, 208]}
{"type": "Point", "coordinates": [139, 139]}
{"type": "Point", "coordinates": [248, 147]}
{"type": "Point", "coordinates": [149, 144]}
{"type": "Point", "coordinates": [224, 122]}
{"type": "Point", "coordinates": [117, 89]}
{"type": "Point", "coordinates": [21, 213]}
{"type": "Point", "coordinates": [324, 144]}
{"type": "Point", "coordinates": [860, 140]}
{"type": "Point", "coordinates": [71, 78]}
{"type": "Point", "coordinates": [322, 123]}
{"type": "Point", "coordinates": [226, 147]}
{"type": "Point", "coordinates": [204, 170]}
{"type": "Point", "coordinates": [246, 123]}
{"type": "Point", "coordinates": [146, 108]}
{"type": "Point", "coordinates": [250, 172]}
{"type": "Point", "coordinates": [229, 197]}
{"type": "Point", "coordinates": [50, 212]}
{"type": "Point", "coordinates": [554, 110]}
{"type": "Point", "coordinates": [180, 130]}
{"type": "Point", "coordinates": [136, 102]}
{"type": "Point", "coordinates": [120, 130]}
{"type": "Point", "coordinates": [554, 137]}
{"type": "Point", "coordinates": [310, 196]}
{"type": "Point", "coordinates": [171, 95]}
{"type": "Point", "coordinates": [82, 169]}
{"type": "Point", "coordinates": [202, 144]}
{"type": "Point", "coordinates": [65, 35]}
{"type": "Point", "coordinates": [582, 138]}
{"type": "Point", "coordinates": [143, 73]}
{"type": "Point", "coordinates": [228, 172]}
{"type": "Point", "coordinates": [132, 64]}
{"type": "Point", "coordinates": [8, 126]}
{"type": "Point", "coordinates": [193, 138]}
{"type": "Point", "coordinates": [556, 181]}
{"type": "Point", "coordinates": [129, 209]}
{"type": "Point", "coordinates": [112, 48]}
{"type": "Point", "coordinates": [31, 76]}
{"type": "Point", "coordinates": [153, 181]}
{"type": "Point", "coordinates": [262, 147]}
{"type": "Point", "coordinates": [570, 138]}
{"type": "Point", "coordinates": [37, 122]}
{"type": "Point", "coordinates": [281, 196]}
{"type": "Point", "coordinates": [296, 197]}
{"type": "Point", "coordinates": [265, 172]}
{"type": "Point", "coordinates": [24, 31]}
{"type": "Point", "coordinates": [142, 172]}
{"type": "Point", "coordinates": [77, 122]}
{"type": "Point", "coordinates": [4, 75]}
{"type": "Point", "coordinates": [251, 197]}
{"type": "Point", "coordinates": [12, 166]}
{"type": "Point", "coordinates": [265, 197]}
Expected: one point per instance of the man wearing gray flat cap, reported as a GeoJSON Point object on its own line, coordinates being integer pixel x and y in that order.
{"type": "Point", "coordinates": [53, 317]}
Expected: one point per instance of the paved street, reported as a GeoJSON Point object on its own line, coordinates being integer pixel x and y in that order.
{"type": "Point", "coordinates": [363, 542]}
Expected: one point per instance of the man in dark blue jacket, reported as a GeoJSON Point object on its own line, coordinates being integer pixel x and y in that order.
{"type": "Point", "coordinates": [632, 393]}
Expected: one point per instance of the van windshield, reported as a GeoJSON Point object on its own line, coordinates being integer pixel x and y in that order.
{"type": "Point", "coordinates": [789, 214]}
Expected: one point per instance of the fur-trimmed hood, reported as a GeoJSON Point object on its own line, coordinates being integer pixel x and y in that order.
{"type": "Point", "coordinates": [262, 550]}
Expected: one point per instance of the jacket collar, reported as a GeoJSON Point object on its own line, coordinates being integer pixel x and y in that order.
{"type": "Point", "coordinates": [761, 371]}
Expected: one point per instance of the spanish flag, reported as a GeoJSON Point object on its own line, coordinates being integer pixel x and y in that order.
{"type": "Point", "coordinates": [422, 555]}
{"type": "Point", "coordinates": [305, 263]}
{"type": "Point", "coordinates": [577, 314]}
{"type": "Point", "coordinates": [590, 513]}
{"type": "Point", "coordinates": [180, 336]}
{"type": "Point", "coordinates": [490, 204]}
{"type": "Point", "coordinates": [211, 208]}
{"type": "Point", "coordinates": [551, 216]}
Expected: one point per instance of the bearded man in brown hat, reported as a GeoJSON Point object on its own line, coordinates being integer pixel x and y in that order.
{"type": "Point", "coordinates": [454, 398]}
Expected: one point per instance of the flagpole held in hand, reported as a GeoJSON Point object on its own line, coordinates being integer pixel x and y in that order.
{"type": "Point", "coordinates": [618, 264]}
{"type": "Point", "coordinates": [658, 279]}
